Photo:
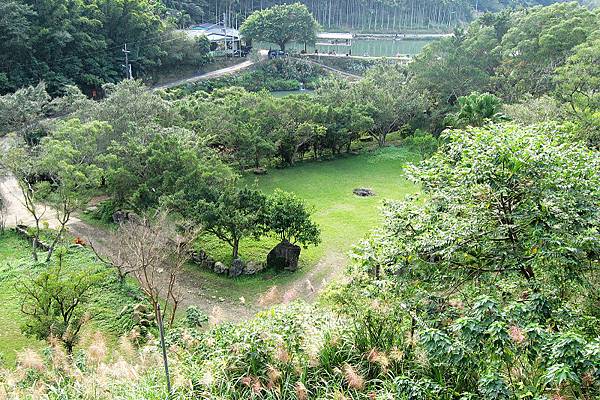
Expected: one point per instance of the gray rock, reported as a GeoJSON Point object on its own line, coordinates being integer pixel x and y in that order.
{"type": "Point", "coordinates": [253, 267]}
{"type": "Point", "coordinates": [140, 308]}
{"type": "Point", "coordinates": [209, 263]}
{"type": "Point", "coordinates": [124, 310]}
{"type": "Point", "coordinates": [284, 256]}
{"type": "Point", "coordinates": [363, 192]}
{"type": "Point", "coordinates": [137, 317]}
{"type": "Point", "coordinates": [198, 256]}
{"type": "Point", "coordinates": [237, 268]}
{"type": "Point", "coordinates": [145, 323]}
{"type": "Point", "coordinates": [259, 171]}
{"type": "Point", "coordinates": [220, 268]}
{"type": "Point", "coordinates": [119, 217]}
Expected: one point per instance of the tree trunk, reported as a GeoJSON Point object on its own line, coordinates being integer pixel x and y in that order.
{"type": "Point", "coordinates": [236, 248]}
{"type": "Point", "coordinates": [527, 272]}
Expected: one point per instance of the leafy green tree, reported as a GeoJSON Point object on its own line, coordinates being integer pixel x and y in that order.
{"type": "Point", "coordinates": [54, 303]}
{"type": "Point", "coordinates": [453, 67]}
{"type": "Point", "coordinates": [68, 161]}
{"type": "Point", "coordinates": [63, 42]}
{"type": "Point", "coordinates": [388, 100]}
{"type": "Point", "coordinates": [141, 173]}
{"type": "Point", "coordinates": [423, 143]}
{"type": "Point", "coordinates": [22, 112]}
{"type": "Point", "coordinates": [19, 162]}
{"type": "Point", "coordinates": [58, 175]}
{"type": "Point", "coordinates": [539, 40]}
{"type": "Point", "coordinates": [476, 109]}
{"type": "Point", "coordinates": [531, 110]}
{"type": "Point", "coordinates": [231, 214]}
{"type": "Point", "coordinates": [186, 11]}
{"type": "Point", "coordinates": [497, 202]}
{"type": "Point", "coordinates": [288, 217]}
{"type": "Point", "coordinates": [131, 110]}
{"type": "Point", "coordinates": [281, 24]}
{"type": "Point", "coordinates": [578, 83]}
{"type": "Point", "coordinates": [300, 127]}
{"type": "Point", "coordinates": [15, 39]}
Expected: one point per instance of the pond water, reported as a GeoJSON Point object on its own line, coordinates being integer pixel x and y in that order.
{"type": "Point", "coordinates": [364, 47]}
{"type": "Point", "coordinates": [284, 93]}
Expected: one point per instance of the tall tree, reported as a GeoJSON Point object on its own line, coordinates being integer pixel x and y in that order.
{"type": "Point", "coordinates": [281, 24]}
{"type": "Point", "coordinates": [540, 40]}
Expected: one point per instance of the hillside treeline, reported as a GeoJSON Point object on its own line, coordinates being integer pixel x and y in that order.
{"type": "Point", "coordinates": [363, 15]}
{"type": "Point", "coordinates": [79, 42]}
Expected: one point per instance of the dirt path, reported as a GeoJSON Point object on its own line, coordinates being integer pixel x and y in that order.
{"type": "Point", "coordinates": [306, 288]}
{"type": "Point", "coordinates": [214, 74]}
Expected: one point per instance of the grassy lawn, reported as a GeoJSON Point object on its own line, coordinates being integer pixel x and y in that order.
{"type": "Point", "coordinates": [106, 301]}
{"type": "Point", "coordinates": [343, 217]}
{"type": "Point", "coordinates": [14, 263]}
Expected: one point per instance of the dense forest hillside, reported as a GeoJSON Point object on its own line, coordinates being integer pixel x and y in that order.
{"type": "Point", "coordinates": [365, 15]}
{"type": "Point", "coordinates": [82, 42]}
{"type": "Point", "coordinates": [76, 42]}
{"type": "Point", "coordinates": [219, 241]}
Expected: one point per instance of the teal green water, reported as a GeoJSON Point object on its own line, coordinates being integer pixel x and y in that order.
{"type": "Point", "coordinates": [364, 47]}
{"type": "Point", "coordinates": [284, 93]}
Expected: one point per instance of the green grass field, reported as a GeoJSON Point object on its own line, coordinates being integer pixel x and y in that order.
{"type": "Point", "coordinates": [15, 259]}
{"type": "Point", "coordinates": [343, 217]}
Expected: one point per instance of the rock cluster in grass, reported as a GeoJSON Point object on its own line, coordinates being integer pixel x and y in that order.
{"type": "Point", "coordinates": [142, 317]}
{"type": "Point", "coordinates": [363, 192]}
{"type": "Point", "coordinates": [238, 267]}
{"type": "Point", "coordinates": [121, 216]}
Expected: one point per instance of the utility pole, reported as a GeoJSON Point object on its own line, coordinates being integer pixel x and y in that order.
{"type": "Point", "coordinates": [225, 32]}
{"type": "Point", "coordinates": [127, 65]}
{"type": "Point", "coordinates": [161, 331]}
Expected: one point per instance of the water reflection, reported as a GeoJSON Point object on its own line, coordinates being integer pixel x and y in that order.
{"type": "Point", "coordinates": [363, 47]}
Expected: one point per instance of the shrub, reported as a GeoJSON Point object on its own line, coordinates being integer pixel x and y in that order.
{"type": "Point", "coordinates": [194, 317]}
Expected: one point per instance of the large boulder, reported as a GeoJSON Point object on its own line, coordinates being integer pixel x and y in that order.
{"type": "Point", "coordinates": [237, 267]}
{"type": "Point", "coordinates": [119, 217]}
{"type": "Point", "coordinates": [284, 256]}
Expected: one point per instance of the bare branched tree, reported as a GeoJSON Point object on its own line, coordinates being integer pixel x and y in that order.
{"type": "Point", "coordinates": [150, 249]}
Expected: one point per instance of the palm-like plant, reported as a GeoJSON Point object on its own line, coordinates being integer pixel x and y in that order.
{"type": "Point", "coordinates": [476, 110]}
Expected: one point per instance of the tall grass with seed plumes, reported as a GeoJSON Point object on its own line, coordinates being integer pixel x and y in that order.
{"type": "Point", "coordinates": [302, 352]}
{"type": "Point", "coordinates": [127, 372]}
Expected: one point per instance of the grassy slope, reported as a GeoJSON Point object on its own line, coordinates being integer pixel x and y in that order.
{"type": "Point", "coordinates": [14, 261]}
{"type": "Point", "coordinates": [343, 217]}
{"type": "Point", "coordinates": [105, 304]}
